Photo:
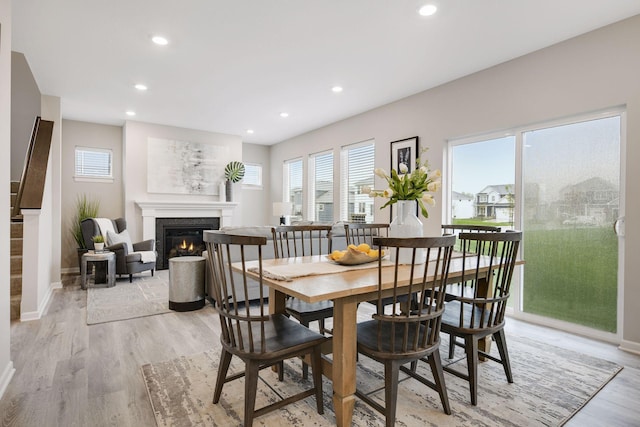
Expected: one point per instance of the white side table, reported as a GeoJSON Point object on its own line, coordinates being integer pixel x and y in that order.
{"type": "Point", "coordinates": [92, 256]}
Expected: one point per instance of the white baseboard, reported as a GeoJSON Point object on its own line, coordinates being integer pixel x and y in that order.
{"type": "Point", "coordinates": [44, 306]}
{"type": "Point", "coordinates": [630, 346]}
{"type": "Point", "coordinates": [5, 378]}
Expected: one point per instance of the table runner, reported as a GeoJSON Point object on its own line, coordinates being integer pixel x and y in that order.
{"type": "Point", "coordinates": [288, 272]}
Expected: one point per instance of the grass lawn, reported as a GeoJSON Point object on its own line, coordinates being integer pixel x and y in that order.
{"type": "Point", "coordinates": [570, 274]}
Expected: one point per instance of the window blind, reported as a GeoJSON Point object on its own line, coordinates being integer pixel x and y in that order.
{"type": "Point", "coordinates": [93, 163]}
{"type": "Point", "coordinates": [356, 172]}
{"type": "Point", "coordinates": [321, 192]}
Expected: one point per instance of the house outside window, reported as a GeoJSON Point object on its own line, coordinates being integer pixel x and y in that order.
{"type": "Point", "coordinates": [293, 187]}
{"type": "Point", "coordinates": [321, 201]}
{"type": "Point", "coordinates": [357, 164]}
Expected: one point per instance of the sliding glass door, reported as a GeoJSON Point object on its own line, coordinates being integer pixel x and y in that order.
{"type": "Point", "coordinates": [560, 184]}
{"type": "Point", "coordinates": [571, 180]}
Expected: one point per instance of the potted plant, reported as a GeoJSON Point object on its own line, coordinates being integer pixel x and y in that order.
{"type": "Point", "coordinates": [233, 172]}
{"type": "Point", "coordinates": [85, 208]}
{"type": "Point", "coordinates": [98, 242]}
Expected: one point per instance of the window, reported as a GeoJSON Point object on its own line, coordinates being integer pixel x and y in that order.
{"type": "Point", "coordinates": [357, 172]}
{"type": "Point", "coordinates": [321, 190]}
{"type": "Point", "coordinates": [293, 187]}
{"type": "Point", "coordinates": [252, 176]}
{"type": "Point", "coordinates": [93, 163]}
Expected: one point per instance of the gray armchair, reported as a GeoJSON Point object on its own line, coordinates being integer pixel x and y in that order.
{"type": "Point", "coordinates": [127, 262]}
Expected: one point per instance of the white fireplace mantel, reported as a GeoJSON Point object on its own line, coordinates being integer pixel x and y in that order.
{"type": "Point", "coordinates": [153, 210]}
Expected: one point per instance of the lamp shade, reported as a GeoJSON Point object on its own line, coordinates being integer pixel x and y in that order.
{"type": "Point", "coordinates": [282, 208]}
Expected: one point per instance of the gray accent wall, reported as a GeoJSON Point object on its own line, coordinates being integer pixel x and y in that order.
{"type": "Point", "coordinates": [109, 194]}
{"type": "Point", "coordinates": [256, 209]}
{"type": "Point", "coordinates": [588, 73]}
{"type": "Point", "coordinates": [25, 107]}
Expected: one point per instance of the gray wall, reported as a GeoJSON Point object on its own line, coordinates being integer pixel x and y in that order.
{"type": "Point", "coordinates": [591, 72]}
{"type": "Point", "coordinates": [25, 107]}
{"type": "Point", "coordinates": [109, 194]}
{"type": "Point", "coordinates": [256, 209]}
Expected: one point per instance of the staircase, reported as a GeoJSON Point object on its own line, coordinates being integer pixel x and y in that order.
{"type": "Point", "coordinates": [16, 256]}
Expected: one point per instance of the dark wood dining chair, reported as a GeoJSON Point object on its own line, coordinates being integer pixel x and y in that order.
{"type": "Point", "coordinates": [249, 332]}
{"type": "Point", "coordinates": [357, 233]}
{"type": "Point", "coordinates": [302, 240]}
{"type": "Point", "coordinates": [397, 338]}
{"type": "Point", "coordinates": [456, 229]}
{"type": "Point", "coordinates": [474, 317]}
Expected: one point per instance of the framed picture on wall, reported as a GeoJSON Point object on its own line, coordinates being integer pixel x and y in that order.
{"type": "Point", "coordinates": [404, 151]}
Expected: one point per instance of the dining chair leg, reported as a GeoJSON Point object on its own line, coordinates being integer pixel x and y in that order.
{"type": "Point", "coordinates": [305, 367]}
{"type": "Point", "coordinates": [391, 374]}
{"type": "Point", "coordinates": [471, 347]}
{"type": "Point", "coordinates": [316, 367]}
{"type": "Point", "coordinates": [452, 345]}
{"type": "Point", "coordinates": [225, 360]}
{"type": "Point", "coordinates": [438, 376]}
{"type": "Point", "coordinates": [280, 369]}
{"type": "Point", "coordinates": [501, 342]}
{"type": "Point", "coordinates": [321, 323]}
{"type": "Point", "coordinates": [250, 390]}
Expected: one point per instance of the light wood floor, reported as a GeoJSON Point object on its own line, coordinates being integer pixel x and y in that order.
{"type": "Point", "coordinates": [71, 374]}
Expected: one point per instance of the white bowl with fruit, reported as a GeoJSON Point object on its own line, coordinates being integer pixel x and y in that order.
{"type": "Point", "coordinates": [354, 255]}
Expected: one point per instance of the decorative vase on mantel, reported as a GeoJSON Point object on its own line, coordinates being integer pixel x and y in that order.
{"type": "Point", "coordinates": [406, 224]}
{"type": "Point", "coordinates": [228, 190]}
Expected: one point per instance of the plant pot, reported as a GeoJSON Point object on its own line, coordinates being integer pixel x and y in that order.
{"type": "Point", "coordinates": [99, 247]}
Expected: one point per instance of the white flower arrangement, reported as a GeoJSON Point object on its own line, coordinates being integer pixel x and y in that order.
{"type": "Point", "coordinates": [418, 185]}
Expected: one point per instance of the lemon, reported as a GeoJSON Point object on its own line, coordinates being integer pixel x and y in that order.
{"type": "Point", "coordinates": [352, 246]}
{"type": "Point", "coordinates": [337, 254]}
{"type": "Point", "coordinates": [373, 253]}
{"type": "Point", "coordinates": [363, 247]}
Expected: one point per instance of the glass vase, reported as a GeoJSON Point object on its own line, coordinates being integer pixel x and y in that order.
{"type": "Point", "coordinates": [406, 224]}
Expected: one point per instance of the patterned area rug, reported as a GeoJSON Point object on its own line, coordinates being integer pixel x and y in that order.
{"type": "Point", "coordinates": [550, 385]}
{"type": "Point", "coordinates": [146, 296]}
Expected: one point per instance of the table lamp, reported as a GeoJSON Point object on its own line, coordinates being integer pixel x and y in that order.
{"type": "Point", "coordinates": [282, 209]}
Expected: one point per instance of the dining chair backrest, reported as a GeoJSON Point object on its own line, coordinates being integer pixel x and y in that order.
{"type": "Point", "coordinates": [301, 240]}
{"type": "Point", "coordinates": [490, 263]}
{"type": "Point", "coordinates": [357, 233]}
{"type": "Point", "coordinates": [242, 324]}
{"type": "Point", "coordinates": [456, 229]}
{"type": "Point", "coordinates": [404, 331]}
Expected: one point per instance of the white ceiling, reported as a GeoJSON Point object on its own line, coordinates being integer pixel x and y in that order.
{"type": "Point", "coordinates": [233, 65]}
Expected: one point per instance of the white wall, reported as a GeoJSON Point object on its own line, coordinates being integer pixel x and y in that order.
{"type": "Point", "coordinates": [6, 366]}
{"type": "Point", "coordinates": [256, 209]}
{"type": "Point", "coordinates": [51, 111]}
{"type": "Point", "coordinates": [591, 72]}
{"type": "Point", "coordinates": [109, 194]}
{"type": "Point", "coordinates": [136, 135]}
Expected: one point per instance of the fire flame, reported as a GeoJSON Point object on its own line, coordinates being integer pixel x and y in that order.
{"type": "Point", "coordinates": [184, 245]}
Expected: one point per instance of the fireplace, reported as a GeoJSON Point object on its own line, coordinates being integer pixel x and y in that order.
{"type": "Point", "coordinates": [181, 237]}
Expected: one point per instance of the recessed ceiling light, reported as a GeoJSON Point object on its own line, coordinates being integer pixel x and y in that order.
{"type": "Point", "coordinates": [160, 40]}
{"type": "Point", "coordinates": [140, 87]}
{"type": "Point", "coordinates": [131, 113]}
{"type": "Point", "coordinates": [249, 130]}
{"type": "Point", "coordinates": [428, 10]}
{"type": "Point", "coordinates": [337, 89]}
{"type": "Point", "coordinates": [284, 114]}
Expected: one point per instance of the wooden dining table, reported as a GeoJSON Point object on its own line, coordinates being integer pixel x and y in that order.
{"type": "Point", "coordinates": [346, 288]}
